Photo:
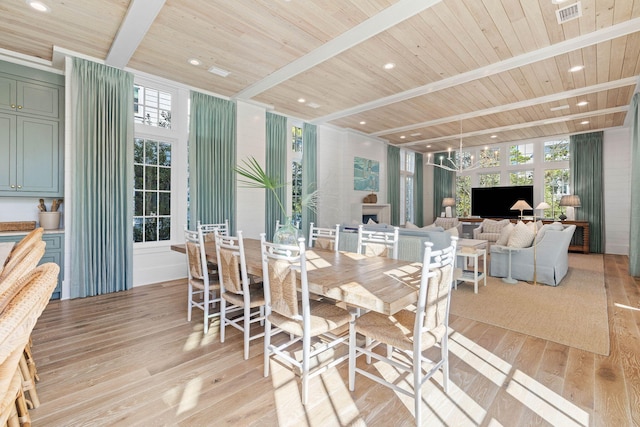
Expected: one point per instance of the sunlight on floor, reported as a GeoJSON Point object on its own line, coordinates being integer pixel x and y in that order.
{"type": "Point", "coordinates": [626, 307]}
{"type": "Point", "coordinates": [198, 339]}
{"type": "Point", "coordinates": [190, 396]}
{"type": "Point", "coordinates": [458, 408]}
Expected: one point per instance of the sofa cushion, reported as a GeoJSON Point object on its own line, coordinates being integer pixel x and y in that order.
{"type": "Point", "coordinates": [493, 226]}
{"type": "Point", "coordinates": [446, 222]}
{"type": "Point", "coordinates": [521, 236]}
{"type": "Point", "coordinates": [504, 234]}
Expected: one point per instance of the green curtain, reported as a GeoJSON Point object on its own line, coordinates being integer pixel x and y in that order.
{"type": "Point", "coordinates": [309, 173]}
{"type": "Point", "coordinates": [418, 191]}
{"type": "Point", "coordinates": [102, 191]}
{"type": "Point", "coordinates": [587, 183]}
{"type": "Point", "coordinates": [634, 230]}
{"type": "Point", "coordinates": [393, 182]}
{"type": "Point", "coordinates": [212, 160]}
{"type": "Point", "coordinates": [444, 182]}
{"type": "Point", "coordinates": [276, 167]}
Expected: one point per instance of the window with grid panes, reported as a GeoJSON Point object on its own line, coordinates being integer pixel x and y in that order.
{"type": "Point", "coordinates": [407, 171]}
{"type": "Point", "coordinates": [296, 175]}
{"type": "Point", "coordinates": [152, 190]}
{"type": "Point", "coordinates": [151, 107]}
{"type": "Point", "coordinates": [521, 154]}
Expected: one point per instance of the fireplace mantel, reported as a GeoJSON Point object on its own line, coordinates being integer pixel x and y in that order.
{"type": "Point", "coordinates": [382, 211]}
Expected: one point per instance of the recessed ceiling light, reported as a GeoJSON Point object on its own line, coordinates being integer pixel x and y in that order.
{"type": "Point", "coordinates": [402, 137]}
{"type": "Point", "coordinates": [416, 134]}
{"type": "Point", "coordinates": [363, 122]}
{"type": "Point", "coordinates": [194, 61]}
{"type": "Point", "coordinates": [219, 71]}
{"type": "Point", "coordinates": [302, 100]}
{"type": "Point", "coordinates": [558, 1]}
{"type": "Point", "coordinates": [389, 66]}
{"type": "Point", "coordinates": [429, 146]}
{"type": "Point", "coordinates": [560, 107]}
{"type": "Point", "coordinates": [576, 68]}
{"type": "Point", "coordinates": [39, 6]}
{"type": "Point", "coordinates": [582, 103]}
{"type": "Point", "coordinates": [584, 122]}
{"type": "Point", "coordinates": [313, 105]}
{"type": "Point", "coordinates": [494, 136]}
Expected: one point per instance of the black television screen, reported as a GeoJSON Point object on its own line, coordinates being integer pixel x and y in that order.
{"type": "Point", "coordinates": [496, 202]}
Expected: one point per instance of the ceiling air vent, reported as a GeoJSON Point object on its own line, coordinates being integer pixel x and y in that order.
{"type": "Point", "coordinates": [568, 13]}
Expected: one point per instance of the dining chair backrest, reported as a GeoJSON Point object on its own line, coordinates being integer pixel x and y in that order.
{"type": "Point", "coordinates": [196, 255]}
{"type": "Point", "coordinates": [23, 262]}
{"type": "Point", "coordinates": [281, 267]}
{"type": "Point", "coordinates": [378, 243]}
{"type": "Point", "coordinates": [324, 238]}
{"type": "Point", "coordinates": [432, 307]}
{"type": "Point", "coordinates": [232, 264]}
{"type": "Point", "coordinates": [208, 230]}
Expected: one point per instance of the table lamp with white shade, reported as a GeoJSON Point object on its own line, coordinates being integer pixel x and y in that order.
{"type": "Point", "coordinates": [447, 202]}
{"type": "Point", "coordinates": [521, 205]}
{"type": "Point", "coordinates": [571, 201]}
{"type": "Point", "coordinates": [541, 206]}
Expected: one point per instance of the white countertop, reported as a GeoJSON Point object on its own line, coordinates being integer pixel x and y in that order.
{"type": "Point", "coordinates": [24, 233]}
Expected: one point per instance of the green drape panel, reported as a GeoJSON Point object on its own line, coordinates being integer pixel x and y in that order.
{"type": "Point", "coordinates": [634, 230]}
{"type": "Point", "coordinates": [309, 174]}
{"type": "Point", "coordinates": [102, 191]}
{"type": "Point", "coordinates": [212, 159]}
{"type": "Point", "coordinates": [418, 191]}
{"type": "Point", "coordinates": [587, 183]}
{"type": "Point", "coordinates": [444, 182]}
{"type": "Point", "coordinates": [276, 167]}
{"type": "Point", "coordinates": [393, 182]}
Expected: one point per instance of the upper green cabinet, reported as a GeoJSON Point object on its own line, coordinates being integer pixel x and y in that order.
{"type": "Point", "coordinates": [31, 135]}
{"type": "Point", "coordinates": [29, 97]}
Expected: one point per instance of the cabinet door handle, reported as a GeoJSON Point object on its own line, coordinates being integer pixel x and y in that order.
{"type": "Point", "coordinates": [19, 107]}
{"type": "Point", "coordinates": [13, 186]}
{"type": "Point", "coordinates": [13, 105]}
{"type": "Point", "coordinates": [19, 186]}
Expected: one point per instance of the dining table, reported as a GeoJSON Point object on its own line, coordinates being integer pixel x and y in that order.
{"type": "Point", "coordinates": [380, 284]}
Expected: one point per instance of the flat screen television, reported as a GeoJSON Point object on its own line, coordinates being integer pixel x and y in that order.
{"type": "Point", "coordinates": [496, 202]}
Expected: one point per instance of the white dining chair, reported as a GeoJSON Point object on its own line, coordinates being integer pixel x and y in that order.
{"type": "Point", "coordinates": [377, 242]}
{"type": "Point", "coordinates": [324, 238]}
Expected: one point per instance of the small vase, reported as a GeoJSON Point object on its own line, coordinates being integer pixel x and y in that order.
{"type": "Point", "coordinates": [288, 234]}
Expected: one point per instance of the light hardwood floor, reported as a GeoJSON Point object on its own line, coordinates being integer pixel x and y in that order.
{"type": "Point", "coordinates": [132, 359]}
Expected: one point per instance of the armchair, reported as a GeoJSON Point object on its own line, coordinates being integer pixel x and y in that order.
{"type": "Point", "coordinates": [449, 223]}
{"type": "Point", "coordinates": [552, 258]}
{"type": "Point", "coordinates": [490, 230]}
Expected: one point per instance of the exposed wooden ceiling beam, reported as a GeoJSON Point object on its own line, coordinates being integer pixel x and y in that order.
{"type": "Point", "coordinates": [608, 33]}
{"type": "Point", "coordinates": [378, 23]}
{"type": "Point", "coordinates": [515, 126]}
{"type": "Point", "coordinates": [140, 16]}
{"type": "Point", "coordinates": [515, 105]}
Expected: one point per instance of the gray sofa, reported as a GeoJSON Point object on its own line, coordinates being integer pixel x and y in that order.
{"type": "Point", "coordinates": [552, 257]}
{"type": "Point", "coordinates": [410, 245]}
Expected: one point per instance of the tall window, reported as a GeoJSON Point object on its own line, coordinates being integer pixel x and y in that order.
{"type": "Point", "coordinates": [151, 107]}
{"type": "Point", "coordinates": [407, 171]}
{"type": "Point", "coordinates": [555, 151]}
{"type": "Point", "coordinates": [556, 184]}
{"type": "Point", "coordinates": [152, 190]}
{"type": "Point", "coordinates": [463, 195]}
{"type": "Point", "coordinates": [490, 157]}
{"type": "Point", "coordinates": [296, 175]}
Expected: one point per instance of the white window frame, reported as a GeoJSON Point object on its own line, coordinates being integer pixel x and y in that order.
{"type": "Point", "coordinates": [407, 161]}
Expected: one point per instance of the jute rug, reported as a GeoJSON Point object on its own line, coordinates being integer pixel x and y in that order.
{"type": "Point", "coordinates": [573, 313]}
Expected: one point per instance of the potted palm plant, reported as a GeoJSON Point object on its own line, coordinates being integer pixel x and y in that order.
{"type": "Point", "coordinates": [254, 176]}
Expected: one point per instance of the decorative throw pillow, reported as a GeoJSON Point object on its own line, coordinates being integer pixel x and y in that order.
{"type": "Point", "coordinates": [504, 235]}
{"type": "Point", "coordinates": [541, 231]}
{"type": "Point", "coordinates": [453, 232]}
{"type": "Point", "coordinates": [521, 236]}
{"type": "Point", "coordinates": [557, 226]}
{"type": "Point", "coordinates": [411, 225]}
{"type": "Point", "coordinates": [371, 222]}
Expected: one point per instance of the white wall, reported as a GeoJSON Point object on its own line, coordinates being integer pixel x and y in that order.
{"type": "Point", "coordinates": [617, 190]}
{"type": "Point", "coordinates": [336, 151]}
{"type": "Point", "coordinates": [251, 141]}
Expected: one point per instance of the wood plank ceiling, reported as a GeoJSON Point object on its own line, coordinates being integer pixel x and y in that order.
{"type": "Point", "coordinates": [470, 68]}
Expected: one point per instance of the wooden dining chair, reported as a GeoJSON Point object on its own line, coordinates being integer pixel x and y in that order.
{"type": "Point", "coordinates": [289, 308]}
{"type": "Point", "coordinates": [378, 243]}
{"type": "Point", "coordinates": [408, 333]}
{"type": "Point", "coordinates": [238, 294]}
{"type": "Point", "coordinates": [202, 285]}
{"type": "Point", "coordinates": [324, 238]}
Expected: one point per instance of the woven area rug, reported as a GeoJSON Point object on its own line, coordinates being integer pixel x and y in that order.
{"type": "Point", "coordinates": [573, 313]}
